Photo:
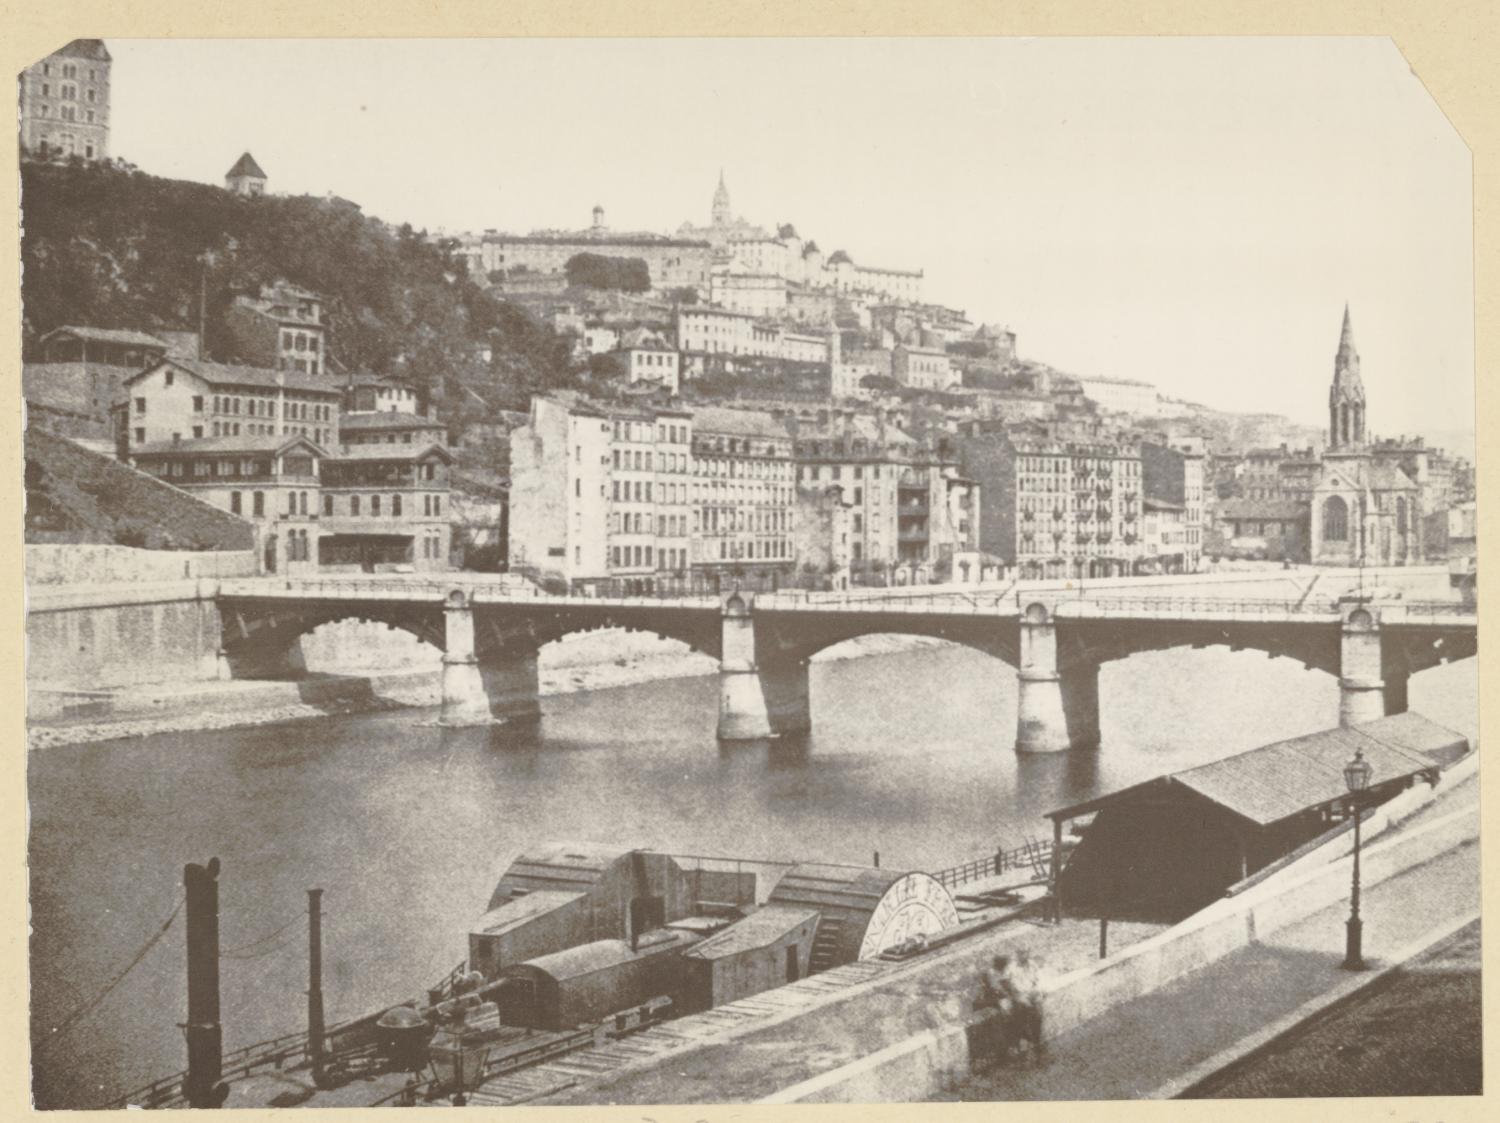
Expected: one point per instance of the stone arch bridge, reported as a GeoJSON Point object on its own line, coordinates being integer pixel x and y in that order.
{"type": "Point", "coordinates": [1056, 641]}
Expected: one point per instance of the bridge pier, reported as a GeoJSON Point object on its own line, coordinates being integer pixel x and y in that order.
{"type": "Point", "coordinates": [500, 688]}
{"type": "Point", "coordinates": [1362, 689]}
{"type": "Point", "coordinates": [758, 700]}
{"type": "Point", "coordinates": [742, 704]}
{"type": "Point", "coordinates": [1394, 693]}
{"type": "Point", "coordinates": [1057, 708]}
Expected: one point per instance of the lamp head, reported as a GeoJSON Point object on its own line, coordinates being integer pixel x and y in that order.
{"type": "Point", "coordinates": [1357, 772]}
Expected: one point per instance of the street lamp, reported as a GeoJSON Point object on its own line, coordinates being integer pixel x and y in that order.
{"type": "Point", "coordinates": [1356, 779]}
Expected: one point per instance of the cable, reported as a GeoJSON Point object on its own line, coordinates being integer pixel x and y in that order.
{"type": "Point", "coordinates": [282, 946]}
{"type": "Point", "coordinates": [234, 952]}
{"type": "Point", "coordinates": [78, 1014]}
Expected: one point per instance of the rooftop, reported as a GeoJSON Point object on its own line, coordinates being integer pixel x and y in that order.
{"type": "Point", "coordinates": [108, 335]}
{"type": "Point", "coordinates": [737, 422]}
{"type": "Point", "coordinates": [1277, 781]}
{"type": "Point", "coordinates": [1285, 510]}
{"type": "Point", "coordinates": [246, 165]}
{"type": "Point", "coordinates": [227, 374]}
{"type": "Point", "coordinates": [391, 452]}
{"type": "Point", "coordinates": [387, 420]}
{"type": "Point", "coordinates": [269, 442]}
{"type": "Point", "coordinates": [760, 929]}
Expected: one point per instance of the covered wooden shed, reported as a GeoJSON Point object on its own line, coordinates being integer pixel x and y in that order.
{"type": "Point", "coordinates": [583, 985]}
{"type": "Point", "coordinates": [769, 948]}
{"type": "Point", "coordinates": [561, 894]}
{"type": "Point", "coordinates": [1164, 848]}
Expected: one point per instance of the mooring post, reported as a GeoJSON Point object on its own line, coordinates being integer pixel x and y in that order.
{"type": "Point", "coordinates": [1103, 937]}
{"type": "Point", "coordinates": [205, 1036]}
{"type": "Point", "coordinates": [315, 1028]}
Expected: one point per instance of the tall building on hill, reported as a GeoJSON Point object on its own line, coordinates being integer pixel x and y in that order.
{"type": "Point", "coordinates": [65, 102]}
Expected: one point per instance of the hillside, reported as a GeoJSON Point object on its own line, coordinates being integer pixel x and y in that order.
{"type": "Point", "coordinates": [115, 248]}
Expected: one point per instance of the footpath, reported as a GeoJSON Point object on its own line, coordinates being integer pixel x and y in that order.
{"type": "Point", "coordinates": [1163, 1043]}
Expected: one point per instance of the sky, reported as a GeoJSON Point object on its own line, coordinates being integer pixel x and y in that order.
{"type": "Point", "coordinates": [1191, 212]}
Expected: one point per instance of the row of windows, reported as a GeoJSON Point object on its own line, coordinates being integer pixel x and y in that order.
{"type": "Point", "coordinates": [621, 557]}
{"type": "Point", "coordinates": [297, 546]}
{"type": "Point", "coordinates": [754, 551]}
{"type": "Point", "coordinates": [432, 545]}
{"type": "Point", "coordinates": [300, 341]}
{"type": "Point", "coordinates": [69, 145]}
{"type": "Point", "coordinates": [432, 506]}
{"type": "Point", "coordinates": [753, 469]}
{"type": "Point", "coordinates": [716, 520]}
{"type": "Point", "coordinates": [639, 491]}
{"type": "Point", "coordinates": [68, 113]}
{"type": "Point", "coordinates": [628, 460]}
{"type": "Point", "coordinates": [667, 526]}
{"type": "Point", "coordinates": [1059, 464]}
{"type": "Point", "coordinates": [68, 91]}
{"type": "Point", "coordinates": [70, 70]}
{"type": "Point", "coordinates": [836, 471]}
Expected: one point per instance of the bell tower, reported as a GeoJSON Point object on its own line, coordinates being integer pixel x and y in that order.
{"type": "Point", "coordinates": [721, 213]}
{"type": "Point", "coordinates": [1346, 396]}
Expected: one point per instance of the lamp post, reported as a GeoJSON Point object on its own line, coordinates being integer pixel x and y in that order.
{"type": "Point", "coordinates": [1356, 779]}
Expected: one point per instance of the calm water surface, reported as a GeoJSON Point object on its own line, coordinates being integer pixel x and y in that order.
{"type": "Point", "coordinates": [407, 826]}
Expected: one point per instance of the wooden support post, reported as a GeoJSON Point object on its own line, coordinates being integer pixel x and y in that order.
{"type": "Point", "coordinates": [1103, 937]}
{"type": "Point", "coordinates": [1056, 877]}
{"type": "Point", "coordinates": [315, 1026]}
{"type": "Point", "coordinates": [205, 1035]}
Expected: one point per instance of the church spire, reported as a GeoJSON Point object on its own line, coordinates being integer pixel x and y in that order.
{"type": "Point", "coordinates": [721, 212]}
{"type": "Point", "coordinates": [1346, 396]}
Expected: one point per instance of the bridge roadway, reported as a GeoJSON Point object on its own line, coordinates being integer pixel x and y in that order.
{"type": "Point", "coordinates": [1056, 638]}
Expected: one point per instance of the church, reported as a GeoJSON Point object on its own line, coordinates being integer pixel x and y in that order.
{"type": "Point", "coordinates": [1366, 508]}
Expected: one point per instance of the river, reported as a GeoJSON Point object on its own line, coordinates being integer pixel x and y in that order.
{"type": "Point", "coordinates": [407, 826]}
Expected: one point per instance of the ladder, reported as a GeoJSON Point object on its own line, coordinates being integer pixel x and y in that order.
{"type": "Point", "coordinates": [825, 946]}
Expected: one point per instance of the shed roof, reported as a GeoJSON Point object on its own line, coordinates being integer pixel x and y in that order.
{"type": "Point", "coordinates": [1274, 782]}
{"type": "Point", "coordinates": [267, 442]}
{"type": "Point", "coordinates": [388, 419]}
{"type": "Point", "coordinates": [519, 910]}
{"type": "Point", "coordinates": [391, 452]}
{"type": "Point", "coordinates": [108, 335]}
{"type": "Point", "coordinates": [760, 929]}
{"type": "Point", "coordinates": [585, 959]}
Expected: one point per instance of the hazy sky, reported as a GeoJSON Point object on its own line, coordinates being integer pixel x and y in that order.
{"type": "Point", "coordinates": [1192, 212]}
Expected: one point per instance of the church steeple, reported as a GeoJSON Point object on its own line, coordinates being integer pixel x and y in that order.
{"type": "Point", "coordinates": [721, 212]}
{"type": "Point", "coordinates": [1346, 396]}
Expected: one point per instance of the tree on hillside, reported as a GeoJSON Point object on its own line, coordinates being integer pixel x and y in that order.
{"type": "Point", "coordinates": [108, 248]}
{"type": "Point", "coordinates": [595, 271]}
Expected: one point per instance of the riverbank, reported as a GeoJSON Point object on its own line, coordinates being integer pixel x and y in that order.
{"type": "Point", "coordinates": [602, 661]}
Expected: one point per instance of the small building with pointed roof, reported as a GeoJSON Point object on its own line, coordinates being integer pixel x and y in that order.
{"type": "Point", "coordinates": [246, 177]}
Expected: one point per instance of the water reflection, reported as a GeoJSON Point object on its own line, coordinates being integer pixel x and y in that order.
{"type": "Point", "coordinates": [407, 825]}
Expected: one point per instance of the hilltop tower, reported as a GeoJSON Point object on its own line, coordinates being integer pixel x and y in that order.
{"type": "Point", "coordinates": [1346, 396]}
{"type": "Point", "coordinates": [65, 102]}
{"type": "Point", "coordinates": [722, 216]}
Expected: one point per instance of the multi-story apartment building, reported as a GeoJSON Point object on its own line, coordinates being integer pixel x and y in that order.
{"type": "Point", "coordinates": [65, 102]}
{"type": "Point", "coordinates": [385, 506]}
{"type": "Point", "coordinates": [864, 460]}
{"type": "Point", "coordinates": [369, 490]}
{"type": "Point", "coordinates": [1122, 395]}
{"type": "Point", "coordinates": [650, 495]}
{"type": "Point", "coordinates": [559, 490]}
{"type": "Point", "coordinates": [921, 368]}
{"type": "Point", "coordinates": [1172, 477]}
{"type": "Point", "coordinates": [273, 480]}
{"type": "Point", "coordinates": [743, 495]}
{"type": "Point", "coordinates": [186, 399]}
{"type": "Point", "coordinates": [1056, 505]}
{"type": "Point", "coordinates": [282, 326]}
{"type": "Point", "coordinates": [648, 357]}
